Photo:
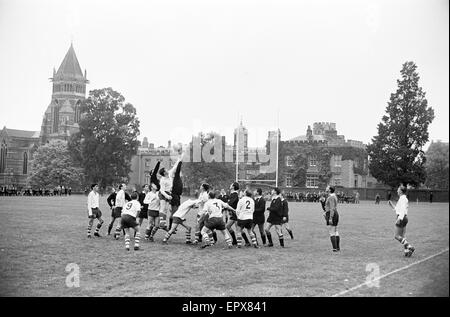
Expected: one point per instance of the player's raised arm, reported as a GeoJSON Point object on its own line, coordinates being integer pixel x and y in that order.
{"type": "Point", "coordinates": [154, 177]}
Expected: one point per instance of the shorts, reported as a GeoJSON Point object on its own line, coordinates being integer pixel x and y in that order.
{"type": "Point", "coordinates": [403, 223]}
{"type": "Point", "coordinates": [116, 212]}
{"type": "Point", "coordinates": [202, 219]}
{"type": "Point", "coordinates": [96, 213]}
{"type": "Point", "coordinates": [335, 219]}
{"type": "Point", "coordinates": [153, 213]}
{"type": "Point", "coordinates": [143, 214]}
{"type": "Point", "coordinates": [232, 216]}
{"type": "Point", "coordinates": [162, 197]}
{"type": "Point", "coordinates": [274, 220]}
{"type": "Point", "coordinates": [215, 223]}
{"type": "Point", "coordinates": [247, 224]}
{"type": "Point", "coordinates": [258, 219]}
{"type": "Point", "coordinates": [128, 221]}
{"type": "Point", "coordinates": [178, 220]}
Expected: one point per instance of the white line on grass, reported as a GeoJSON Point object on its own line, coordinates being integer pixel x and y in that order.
{"type": "Point", "coordinates": [390, 273]}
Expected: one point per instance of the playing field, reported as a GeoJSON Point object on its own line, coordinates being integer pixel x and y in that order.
{"type": "Point", "coordinates": [40, 236]}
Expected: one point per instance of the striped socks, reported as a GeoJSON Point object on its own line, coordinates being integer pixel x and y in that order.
{"type": "Point", "coordinates": [137, 239]}
{"type": "Point", "coordinates": [127, 242]}
{"type": "Point", "coordinates": [188, 236]}
{"type": "Point", "coordinates": [89, 230]}
{"type": "Point", "coordinates": [239, 241]}
{"type": "Point", "coordinates": [254, 241]}
{"type": "Point", "coordinates": [281, 238]}
{"type": "Point", "coordinates": [97, 229]}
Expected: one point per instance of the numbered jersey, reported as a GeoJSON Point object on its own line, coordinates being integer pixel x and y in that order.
{"type": "Point", "coordinates": [131, 208]}
{"type": "Point", "coordinates": [214, 208]}
{"type": "Point", "coordinates": [245, 208]}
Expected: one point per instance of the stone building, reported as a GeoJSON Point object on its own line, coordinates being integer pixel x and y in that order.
{"type": "Point", "coordinates": [346, 162]}
{"type": "Point", "coordinates": [16, 149]}
{"type": "Point", "coordinates": [145, 160]}
{"type": "Point", "coordinates": [61, 118]}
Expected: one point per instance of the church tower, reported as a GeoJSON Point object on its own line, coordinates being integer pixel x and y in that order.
{"type": "Point", "coordinates": [69, 90]}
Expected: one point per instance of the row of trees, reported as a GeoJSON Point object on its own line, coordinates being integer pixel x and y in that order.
{"type": "Point", "coordinates": [102, 150]}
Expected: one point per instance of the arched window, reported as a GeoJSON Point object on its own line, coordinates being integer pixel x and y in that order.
{"type": "Point", "coordinates": [55, 119]}
{"type": "Point", "coordinates": [3, 154]}
{"type": "Point", "coordinates": [25, 163]}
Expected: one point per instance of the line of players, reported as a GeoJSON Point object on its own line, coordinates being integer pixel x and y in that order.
{"type": "Point", "coordinates": [243, 210]}
{"type": "Point", "coordinates": [161, 205]}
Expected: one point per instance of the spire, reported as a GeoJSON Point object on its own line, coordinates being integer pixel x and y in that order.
{"type": "Point", "coordinates": [70, 68]}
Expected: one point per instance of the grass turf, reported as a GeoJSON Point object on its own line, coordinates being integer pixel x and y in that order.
{"type": "Point", "coordinates": [40, 236]}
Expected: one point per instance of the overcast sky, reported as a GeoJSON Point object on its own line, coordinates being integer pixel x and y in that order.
{"type": "Point", "coordinates": [201, 65]}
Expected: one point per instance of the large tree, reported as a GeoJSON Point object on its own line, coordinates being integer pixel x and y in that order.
{"type": "Point", "coordinates": [437, 165]}
{"type": "Point", "coordinates": [396, 154]}
{"type": "Point", "coordinates": [52, 166]}
{"type": "Point", "coordinates": [107, 139]}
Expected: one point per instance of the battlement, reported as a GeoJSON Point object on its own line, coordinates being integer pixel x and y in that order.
{"type": "Point", "coordinates": [306, 142]}
{"type": "Point", "coordinates": [319, 128]}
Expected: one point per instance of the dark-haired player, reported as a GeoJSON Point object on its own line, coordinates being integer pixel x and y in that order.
{"type": "Point", "coordinates": [332, 218]}
{"type": "Point", "coordinates": [232, 217]}
{"type": "Point", "coordinates": [111, 201]}
{"type": "Point", "coordinates": [244, 212]}
{"type": "Point", "coordinates": [401, 209]}
{"type": "Point", "coordinates": [285, 222]}
{"type": "Point", "coordinates": [128, 220]}
{"type": "Point", "coordinates": [94, 211]}
{"type": "Point", "coordinates": [143, 214]}
{"type": "Point", "coordinates": [214, 208]}
{"type": "Point", "coordinates": [166, 183]}
{"type": "Point", "coordinates": [178, 219]}
{"type": "Point", "coordinates": [201, 214]}
{"type": "Point", "coordinates": [275, 217]}
{"type": "Point", "coordinates": [258, 214]}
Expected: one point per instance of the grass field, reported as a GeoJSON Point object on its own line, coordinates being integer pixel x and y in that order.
{"type": "Point", "coordinates": [40, 236]}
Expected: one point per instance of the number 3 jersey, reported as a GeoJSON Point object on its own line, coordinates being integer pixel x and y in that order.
{"type": "Point", "coordinates": [245, 208]}
{"type": "Point", "coordinates": [214, 208]}
{"type": "Point", "coordinates": [131, 208]}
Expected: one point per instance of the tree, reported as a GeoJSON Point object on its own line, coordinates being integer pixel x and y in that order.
{"type": "Point", "coordinates": [218, 174]}
{"type": "Point", "coordinates": [52, 166]}
{"type": "Point", "coordinates": [437, 165]}
{"type": "Point", "coordinates": [107, 139]}
{"type": "Point", "coordinates": [396, 154]}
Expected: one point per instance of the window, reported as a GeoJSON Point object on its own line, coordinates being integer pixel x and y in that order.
{"type": "Point", "coordinates": [148, 163]}
{"type": "Point", "coordinates": [312, 160]}
{"type": "Point", "coordinates": [356, 181]}
{"type": "Point", "coordinates": [312, 180]}
{"type": "Point", "coordinates": [288, 180]}
{"type": "Point", "coordinates": [147, 178]}
{"type": "Point", "coordinates": [337, 182]}
{"type": "Point", "coordinates": [25, 163]}
{"type": "Point", "coordinates": [338, 160]}
{"type": "Point", "coordinates": [3, 154]}
{"type": "Point", "coordinates": [289, 161]}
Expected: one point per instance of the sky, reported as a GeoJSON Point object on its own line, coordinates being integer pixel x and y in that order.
{"type": "Point", "coordinates": [204, 65]}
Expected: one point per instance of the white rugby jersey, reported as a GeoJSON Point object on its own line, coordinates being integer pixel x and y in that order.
{"type": "Point", "coordinates": [184, 208]}
{"type": "Point", "coordinates": [93, 200]}
{"type": "Point", "coordinates": [131, 208]}
{"type": "Point", "coordinates": [401, 209]}
{"type": "Point", "coordinates": [214, 208]}
{"type": "Point", "coordinates": [152, 199]}
{"type": "Point", "coordinates": [202, 199]}
{"type": "Point", "coordinates": [166, 184]}
{"type": "Point", "coordinates": [245, 208]}
{"type": "Point", "coordinates": [120, 198]}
